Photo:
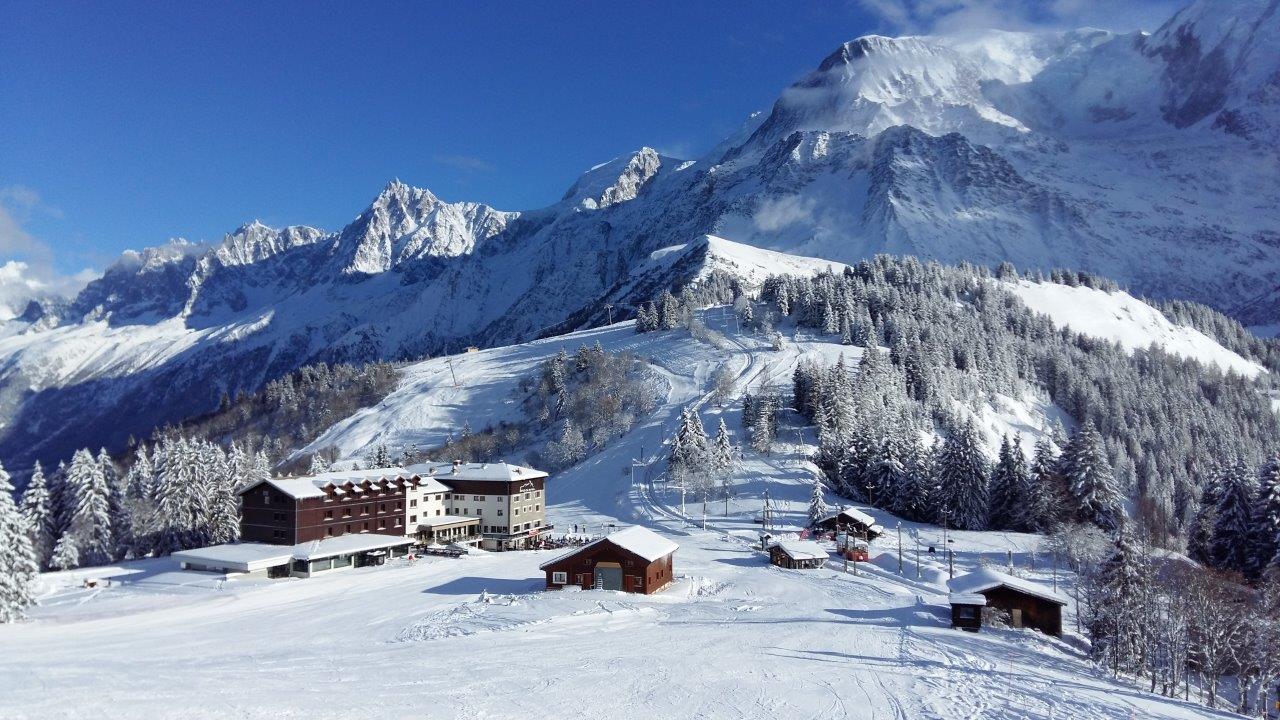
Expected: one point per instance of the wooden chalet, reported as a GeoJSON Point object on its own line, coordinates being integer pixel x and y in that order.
{"type": "Point", "coordinates": [634, 560]}
{"type": "Point", "coordinates": [1028, 604]}
{"type": "Point", "coordinates": [852, 520]}
{"type": "Point", "coordinates": [798, 554]}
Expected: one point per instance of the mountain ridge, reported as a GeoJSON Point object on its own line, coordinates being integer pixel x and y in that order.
{"type": "Point", "coordinates": [1044, 149]}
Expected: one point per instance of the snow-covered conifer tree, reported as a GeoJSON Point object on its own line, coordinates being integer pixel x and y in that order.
{"type": "Point", "coordinates": [1266, 520]}
{"type": "Point", "coordinates": [962, 479]}
{"type": "Point", "coordinates": [817, 503]}
{"type": "Point", "coordinates": [36, 512]}
{"type": "Point", "coordinates": [91, 517]}
{"type": "Point", "coordinates": [1012, 501]}
{"type": "Point", "coordinates": [318, 465]}
{"type": "Point", "coordinates": [1115, 626]}
{"type": "Point", "coordinates": [18, 566]}
{"type": "Point", "coordinates": [1200, 539]}
{"type": "Point", "coordinates": [1233, 537]}
{"type": "Point", "coordinates": [1090, 480]}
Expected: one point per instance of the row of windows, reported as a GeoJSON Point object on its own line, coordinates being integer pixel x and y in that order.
{"type": "Point", "coordinates": [364, 527]}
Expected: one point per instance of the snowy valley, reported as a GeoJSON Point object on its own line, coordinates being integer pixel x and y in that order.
{"type": "Point", "coordinates": [966, 331]}
{"type": "Point", "coordinates": [732, 637]}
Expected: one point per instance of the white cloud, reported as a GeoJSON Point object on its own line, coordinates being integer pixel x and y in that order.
{"type": "Point", "coordinates": [777, 213]}
{"type": "Point", "coordinates": [466, 163]}
{"type": "Point", "coordinates": [953, 16]}
{"type": "Point", "coordinates": [26, 263]}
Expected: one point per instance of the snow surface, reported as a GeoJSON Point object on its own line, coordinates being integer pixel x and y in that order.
{"type": "Point", "coordinates": [1122, 318]}
{"type": "Point", "coordinates": [732, 637]}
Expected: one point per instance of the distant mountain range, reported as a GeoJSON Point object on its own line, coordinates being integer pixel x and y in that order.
{"type": "Point", "coordinates": [1151, 158]}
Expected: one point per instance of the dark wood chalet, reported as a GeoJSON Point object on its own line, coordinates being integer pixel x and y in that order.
{"type": "Point", "coordinates": [854, 521]}
{"type": "Point", "coordinates": [289, 511]}
{"type": "Point", "coordinates": [798, 554]}
{"type": "Point", "coordinates": [1027, 603]}
{"type": "Point", "coordinates": [633, 560]}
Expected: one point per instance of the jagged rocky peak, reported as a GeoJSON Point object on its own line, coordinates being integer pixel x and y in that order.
{"type": "Point", "coordinates": [407, 223]}
{"type": "Point", "coordinates": [617, 181]}
{"type": "Point", "coordinates": [254, 242]}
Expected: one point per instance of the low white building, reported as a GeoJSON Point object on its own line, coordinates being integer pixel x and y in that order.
{"type": "Point", "coordinates": [252, 559]}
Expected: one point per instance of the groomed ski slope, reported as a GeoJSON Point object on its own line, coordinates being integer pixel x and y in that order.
{"type": "Point", "coordinates": [476, 637]}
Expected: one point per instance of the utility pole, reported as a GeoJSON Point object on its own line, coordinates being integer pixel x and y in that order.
{"type": "Point", "coordinates": [609, 308]}
{"type": "Point", "coordinates": [917, 554]}
{"type": "Point", "coordinates": [899, 547]}
{"type": "Point", "coordinates": [951, 564]}
{"type": "Point", "coordinates": [1010, 561]}
{"type": "Point", "coordinates": [449, 359]}
{"type": "Point", "coordinates": [1055, 571]}
{"type": "Point", "coordinates": [845, 546]}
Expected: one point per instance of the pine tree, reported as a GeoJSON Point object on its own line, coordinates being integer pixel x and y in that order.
{"type": "Point", "coordinates": [381, 457]}
{"type": "Point", "coordinates": [887, 476]}
{"type": "Point", "coordinates": [1200, 540]}
{"type": "Point", "coordinates": [1012, 498]}
{"type": "Point", "coordinates": [18, 566]}
{"type": "Point", "coordinates": [1115, 626]}
{"type": "Point", "coordinates": [91, 517]}
{"type": "Point", "coordinates": [318, 465]}
{"type": "Point", "coordinates": [817, 504]}
{"type": "Point", "coordinates": [224, 501]}
{"type": "Point", "coordinates": [962, 479]}
{"type": "Point", "coordinates": [723, 449]}
{"type": "Point", "coordinates": [118, 510]}
{"type": "Point", "coordinates": [1090, 480]}
{"type": "Point", "coordinates": [570, 448]}
{"type": "Point", "coordinates": [37, 513]}
{"type": "Point", "coordinates": [65, 556]}
{"type": "Point", "coordinates": [1266, 520]}
{"type": "Point", "coordinates": [1233, 537]}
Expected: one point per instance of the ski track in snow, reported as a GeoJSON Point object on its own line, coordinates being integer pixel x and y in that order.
{"type": "Point", "coordinates": [732, 637]}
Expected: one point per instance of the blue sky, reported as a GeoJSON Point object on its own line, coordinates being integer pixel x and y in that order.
{"type": "Point", "coordinates": [123, 124]}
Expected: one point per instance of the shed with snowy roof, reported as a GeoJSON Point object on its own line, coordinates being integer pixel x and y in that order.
{"type": "Point", "coordinates": [798, 554]}
{"type": "Point", "coordinates": [634, 560]}
{"type": "Point", "coordinates": [1029, 604]}
{"type": "Point", "coordinates": [853, 520]}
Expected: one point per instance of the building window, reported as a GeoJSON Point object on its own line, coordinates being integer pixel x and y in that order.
{"type": "Point", "coordinates": [329, 532]}
{"type": "Point", "coordinates": [266, 496]}
{"type": "Point", "coordinates": [366, 524]}
{"type": "Point", "coordinates": [560, 578]}
{"type": "Point", "coordinates": [499, 512]}
{"type": "Point", "coordinates": [413, 502]}
{"type": "Point", "coordinates": [537, 508]}
{"type": "Point", "coordinates": [479, 512]}
{"type": "Point", "coordinates": [500, 498]}
{"type": "Point", "coordinates": [437, 511]}
{"type": "Point", "coordinates": [278, 534]}
{"type": "Point", "coordinates": [515, 511]}
{"type": "Point", "coordinates": [328, 514]}
{"type": "Point", "coordinates": [346, 512]}
{"type": "Point", "coordinates": [382, 507]}
{"type": "Point", "coordinates": [413, 518]}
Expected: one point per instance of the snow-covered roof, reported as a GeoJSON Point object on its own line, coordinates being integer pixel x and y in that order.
{"type": "Point", "coordinates": [984, 579]}
{"type": "Point", "coordinates": [493, 472]}
{"type": "Point", "coordinates": [346, 544]}
{"type": "Point", "coordinates": [966, 599]}
{"type": "Point", "coordinates": [802, 549]}
{"type": "Point", "coordinates": [431, 485]}
{"type": "Point", "coordinates": [438, 520]}
{"type": "Point", "coordinates": [245, 557]}
{"type": "Point", "coordinates": [854, 514]}
{"type": "Point", "coordinates": [313, 485]}
{"type": "Point", "coordinates": [635, 539]}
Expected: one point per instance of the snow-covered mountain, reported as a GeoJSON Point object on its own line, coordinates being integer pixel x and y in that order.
{"type": "Point", "coordinates": [1148, 158]}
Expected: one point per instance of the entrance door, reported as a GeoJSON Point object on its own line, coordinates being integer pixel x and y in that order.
{"type": "Point", "coordinates": [1016, 617]}
{"type": "Point", "coordinates": [608, 576]}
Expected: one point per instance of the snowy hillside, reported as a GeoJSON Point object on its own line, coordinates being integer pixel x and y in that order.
{"type": "Point", "coordinates": [732, 637]}
{"type": "Point", "coordinates": [1120, 317]}
{"type": "Point", "coordinates": [1146, 158]}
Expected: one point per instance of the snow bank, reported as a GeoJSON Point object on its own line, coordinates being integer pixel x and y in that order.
{"type": "Point", "coordinates": [1120, 317]}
